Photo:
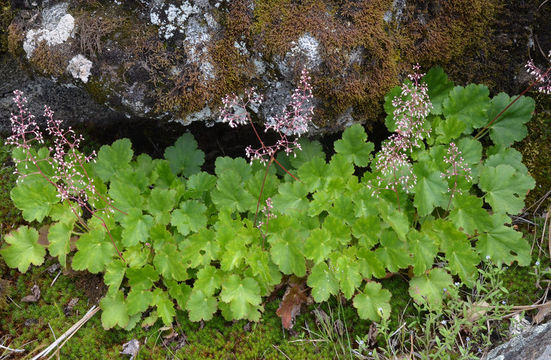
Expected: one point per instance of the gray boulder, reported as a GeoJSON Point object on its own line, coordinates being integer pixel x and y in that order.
{"type": "Point", "coordinates": [173, 60]}
{"type": "Point", "coordinates": [533, 344]}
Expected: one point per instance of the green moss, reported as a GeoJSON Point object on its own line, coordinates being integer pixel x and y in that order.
{"type": "Point", "coordinates": [97, 89]}
{"type": "Point", "coordinates": [10, 217]}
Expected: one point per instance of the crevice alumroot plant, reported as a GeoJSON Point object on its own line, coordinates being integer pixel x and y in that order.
{"type": "Point", "coordinates": [170, 238]}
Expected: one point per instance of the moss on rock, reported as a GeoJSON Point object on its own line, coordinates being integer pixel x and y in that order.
{"type": "Point", "coordinates": [6, 16]}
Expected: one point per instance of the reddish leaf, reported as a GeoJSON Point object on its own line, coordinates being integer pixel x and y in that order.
{"type": "Point", "coordinates": [294, 297]}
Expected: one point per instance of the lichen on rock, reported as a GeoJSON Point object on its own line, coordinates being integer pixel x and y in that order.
{"type": "Point", "coordinates": [57, 27]}
{"type": "Point", "coordinates": [173, 60]}
{"type": "Point", "coordinates": [79, 67]}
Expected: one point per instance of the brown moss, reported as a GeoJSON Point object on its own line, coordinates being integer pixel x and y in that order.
{"type": "Point", "coordinates": [49, 61]}
{"type": "Point", "coordinates": [340, 27]}
{"type": "Point", "coordinates": [15, 39]}
{"type": "Point", "coordinates": [189, 91]}
{"type": "Point", "coordinates": [6, 17]}
{"type": "Point", "coordinates": [93, 29]}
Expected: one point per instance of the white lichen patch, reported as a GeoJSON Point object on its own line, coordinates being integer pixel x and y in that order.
{"type": "Point", "coordinates": [196, 46]}
{"type": "Point", "coordinates": [79, 67]}
{"type": "Point", "coordinates": [193, 20]}
{"type": "Point", "coordinates": [241, 47]}
{"type": "Point", "coordinates": [304, 51]}
{"type": "Point", "coordinates": [203, 115]}
{"type": "Point", "coordinates": [56, 30]}
{"type": "Point", "coordinates": [397, 10]}
{"type": "Point", "coordinates": [308, 46]}
{"type": "Point", "coordinates": [176, 17]}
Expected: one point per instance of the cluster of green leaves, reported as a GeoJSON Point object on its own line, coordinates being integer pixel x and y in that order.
{"type": "Point", "coordinates": [188, 239]}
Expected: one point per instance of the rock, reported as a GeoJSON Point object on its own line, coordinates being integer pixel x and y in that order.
{"type": "Point", "coordinates": [173, 60]}
{"type": "Point", "coordinates": [534, 344]}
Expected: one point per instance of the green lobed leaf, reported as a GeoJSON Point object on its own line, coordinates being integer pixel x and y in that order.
{"type": "Point", "coordinates": [468, 214]}
{"type": "Point", "coordinates": [438, 88]}
{"type": "Point", "coordinates": [338, 229]}
{"type": "Point", "coordinates": [291, 198]}
{"type": "Point", "coordinates": [114, 274]}
{"type": "Point", "coordinates": [430, 288]}
{"type": "Point", "coordinates": [313, 174]}
{"type": "Point", "coordinates": [347, 271]}
{"type": "Point", "coordinates": [209, 279]}
{"type": "Point", "coordinates": [393, 252]}
{"type": "Point", "coordinates": [502, 244]}
{"type": "Point", "coordinates": [224, 165]}
{"type": "Point", "coordinates": [59, 238]}
{"type": "Point", "coordinates": [133, 178]}
{"type": "Point", "coordinates": [262, 268]}
{"type": "Point", "coordinates": [162, 175]}
{"type": "Point", "coordinates": [287, 243]}
{"type": "Point", "coordinates": [467, 105]}
{"type": "Point", "coordinates": [114, 311]}
{"type": "Point", "coordinates": [95, 251]}
{"type": "Point", "coordinates": [142, 278]}
{"type": "Point", "coordinates": [370, 264]}
{"type": "Point", "coordinates": [508, 156]}
{"type": "Point", "coordinates": [323, 282]}
{"type": "Point", "coordinates": [230, 194]}
{"type": "Point", "coordinates": [505, 188]}
{"type": "Point", "coordinates": [201, 182]}
{"type": "Point", "coordinates": [35, 197]}
{"type": "Point", "coordinates": [190, 217]}
{"type": "Point", "coordinates": [373, 303]}
{"type": "Point", "coordinates": [449, 129]}
{"type": "Point", "coordinates": [168, 262]}
{"type": "Point", "coordinates": [509, 127]}
{"type": "Point", "coordinates": [184, 157]}
{"type": "Point", "coordinates": [461, 257]}
{"type": "Point", "coordinates": [165, 306]}
{"type": "Point", "coordinates": [354, 145]}
{"type": "Point", "coordinates": [310, 150]}
{"type": "Point", "coordinates": [138, 301]}
{"type": "Point", "coordinates": [136, 227]}
{"type": "Point", "coordinates": [136, 256]}
{"type": "Point", "coordinates": [160, 203]}
{"type": "Point", "coordinates": [126, 197]}
{"type": "Point", "coordinates": [113, 159]}
{"type": "Point", "coordinates": [243, 295]}
{"type": "Point", "coordinates": [367, 230]}
{"type": "Point", "coordinates": [396, 219]}
{"type": "Point", "coordinates": [319, 245]}
{"type": "Point", "coordinates": [431, 190]}
{"type": "Point", "coordinates": [179, 292]}
{"type": "Point", "coordinates": [199, 249]}
{"type": "Point", "coordinates": [235, 251]}
{"type": "Point", "coordinates": [201, 306]}
{"type": "Point", "coordinates": [423, 249]}
{"type": "Point", "coordinates": [23, 249]}
{"type": "Point", "coordinates": [343, 209]}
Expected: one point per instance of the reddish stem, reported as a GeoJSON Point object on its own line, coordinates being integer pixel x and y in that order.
{"type": "Point", "coordinates": [483, 130]}
{"type": "Point", "coordinates": [262, 190]}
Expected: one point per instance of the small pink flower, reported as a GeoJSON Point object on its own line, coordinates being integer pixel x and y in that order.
{"type": "Point", "coordinates": [294, 120]}
{"type": "Point", "coordinates": [543, 78]}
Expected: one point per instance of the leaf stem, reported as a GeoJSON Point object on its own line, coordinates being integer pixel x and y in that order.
{"type": "Point", "coordinates": [485, 129]}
